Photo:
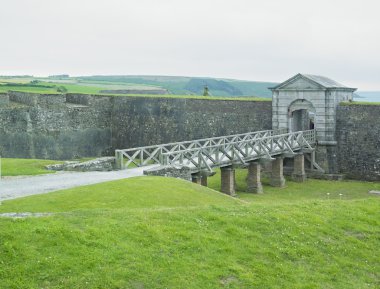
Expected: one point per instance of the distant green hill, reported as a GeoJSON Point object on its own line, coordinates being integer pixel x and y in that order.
{"type": "Point", "coordinates": [175, 85]}
{"type": "Point", "coordinates": [189, 85]}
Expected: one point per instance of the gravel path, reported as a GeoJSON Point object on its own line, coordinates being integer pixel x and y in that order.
{"type": "Point", "coordinates": [16, 187]}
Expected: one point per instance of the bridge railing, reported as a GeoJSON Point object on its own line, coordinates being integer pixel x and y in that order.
{"type": "Point", "coordinates": [142, 156]}
{"type": "Point", "coordinates": [240, 151]}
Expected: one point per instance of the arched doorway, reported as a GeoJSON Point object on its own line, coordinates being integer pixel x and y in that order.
{"type": "Point", "coordinates": [301, 115]}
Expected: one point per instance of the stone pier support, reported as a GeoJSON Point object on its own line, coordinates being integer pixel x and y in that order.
{"type": "Point", "coordinates": [298, 174]}
{"type": "Point", "coordinates": [254, 178]}
{"type": "Point", "coordinates": [204, 180]}
{"type": "Point", "coordinates": [228, 180]}
{"type": "Point", "coordinates": [196, 178]}
{"type": "Point", "coordinates": [277, 178]}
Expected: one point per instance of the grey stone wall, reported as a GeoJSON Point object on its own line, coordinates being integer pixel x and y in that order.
{"type": "Point", "coordinates": [75, 125]}
{"type": "Point", "coordinates": [169, 171]}
{"type": "Point", "coordinates": [4, 99]}
{"type": "Point", "coordinates": [46, 126]}
{"type": "Point", "coordinates": [146, 121]}
{"type": "Point", "coordinates": [358, 136]}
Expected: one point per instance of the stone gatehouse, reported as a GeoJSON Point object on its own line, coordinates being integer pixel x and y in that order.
{"type": "Point", "coordinates": [310, 102]}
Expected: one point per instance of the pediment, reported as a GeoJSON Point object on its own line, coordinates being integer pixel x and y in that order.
{"type": "Point", "coordinates": [299, 82]}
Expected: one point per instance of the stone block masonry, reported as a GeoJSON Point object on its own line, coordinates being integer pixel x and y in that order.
{"type": "Point", "coordinates": [4, 99]}
{"type": "Point", "coordinates": [141, 121]}
{"type": "Point", "coordinates": [227, 176]}
{"type": "Point", "coordinates": [277, 177]}
{"type": "Point", "coordinates": [59, 126]}
{"type": "Point", "coordinates": [254, 178]}
{"type": "Point", "coordinates": [299, 168]}
{"type": "Point", "coordinates": [358, 136]}
{"type": "Point", "coordinates": [49, 127]}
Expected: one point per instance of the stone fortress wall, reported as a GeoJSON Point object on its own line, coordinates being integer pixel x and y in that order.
{"type": "Point", "coordinates": [76, 125]}
{"type": "Point", "coordinates": [54, 126]}
{"type": "Point", "coordinates": [60, 126]}
{"type": "Point", "coordinates": [358, 136]}
{"type": "Point", "coordinates": [148, 121]}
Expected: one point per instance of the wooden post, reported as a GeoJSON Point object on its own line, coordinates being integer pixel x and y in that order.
{"type": "Point", "coordinates": [119, 160]}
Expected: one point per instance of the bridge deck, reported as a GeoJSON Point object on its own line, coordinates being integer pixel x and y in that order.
{"type": "Point", "coordinates": [205, 154]}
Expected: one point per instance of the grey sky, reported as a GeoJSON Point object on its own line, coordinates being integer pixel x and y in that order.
{"type": "Point", "coordinates": [267, 40]}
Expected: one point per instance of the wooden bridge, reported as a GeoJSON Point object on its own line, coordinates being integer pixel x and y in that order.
{"type": "Point", "coordinates": [248, 149]}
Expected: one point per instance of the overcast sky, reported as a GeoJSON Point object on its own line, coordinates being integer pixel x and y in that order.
{"type": "Point", "coordinates": [267, 40]}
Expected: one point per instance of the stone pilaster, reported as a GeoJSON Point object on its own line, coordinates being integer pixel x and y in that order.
{"type": "Point", "coordinates": [298, 174]}
{"type": "Point", "coordinates": [228, 180]}
{"type": "Point", "coordinates": [277, 178]}
{"type": "Point", "coordinates": [254, 178]}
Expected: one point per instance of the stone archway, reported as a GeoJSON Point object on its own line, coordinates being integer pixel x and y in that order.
{"type": "Point", "coordinates": [301, 115]}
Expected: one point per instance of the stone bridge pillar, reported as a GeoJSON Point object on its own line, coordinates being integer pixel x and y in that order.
{"type": "Point", "coordinates": [204, 180]}
{"type": "Point", "coordinates": [277, 178]}
{"type": "Point", "coordinates": [228, 180]}
{"type": "Point", "coordinates": [299, 168]}
{"type": "Point", "coordinates": [196, 178]}
{"type": "Point", "coordinates": [254, 178]}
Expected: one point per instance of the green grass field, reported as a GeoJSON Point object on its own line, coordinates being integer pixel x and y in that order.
{"type": "Point", "coordinates": [177, 87]}
{"type": "Point", "coordinates": [154, 232]}
{"type": "Point", "coordinates": [20, 167]}
{"type": "Point", "coordinates": [29, 167]}
{"type": "Point", "coordinates": [359, 103]}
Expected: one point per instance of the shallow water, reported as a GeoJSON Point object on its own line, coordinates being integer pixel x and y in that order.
{"type": "Point", "coordinates": [368, 96]}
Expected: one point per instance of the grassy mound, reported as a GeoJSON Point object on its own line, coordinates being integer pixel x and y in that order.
{"type": "Point", "coordinates": [29, 167]}
{"type": "Point", "coordinates": [166, 233]}
{"type": "Point", "coordinates": [297, 193]}
{"type": "Point", "coordinates": [19, 167]}
{"type": "Point", "coordinates": [139, 192]}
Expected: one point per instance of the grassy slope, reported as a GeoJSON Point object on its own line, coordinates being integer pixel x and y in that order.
{"type": "Point", "coordinates": [71, 88]}
{"type": "Point", "coordinates": [17, 167]}
{"type": "Point", "coordinates": [190, 97]}
{"type": "Point", "coordinates": [164, 233]}
{"type": "Point", "coordinates": [29, 167]}
{"type": "Point", "coordinates": [141, 192]}
{"type": "Point", "coordinates": [93, 84]}
{"type": "Point", "coordinates": [178, 84]}
{"type": "Point", "coordinates": [359, 103]}
{"type": "Point", "coordinates": [28, 89]}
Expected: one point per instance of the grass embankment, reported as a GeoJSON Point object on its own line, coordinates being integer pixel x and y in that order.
{"type": "Point", "coordinates": [43, 87]}
{"type": "Point", "coordinates": [240, 98]}
{"type": "Point", "coordinates": [29, 167]}
{"type": "Point", "coordinates": [21, 167]}
{"type": "Point", "coordinates": [359, 103]}
{"type": "Point", "coordinates": [95, 88]}
{"type": "Point", "coordinates": [157, 232]}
